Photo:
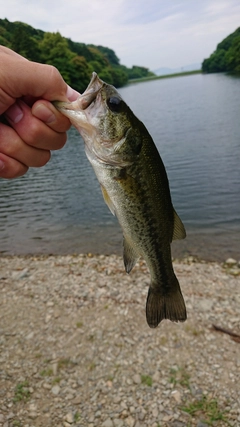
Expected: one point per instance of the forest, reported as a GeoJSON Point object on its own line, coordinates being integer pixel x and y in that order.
{"type": "Point", "coordinates": [75, 61]}
{"type": "Point", "coordinates": [226, 57]}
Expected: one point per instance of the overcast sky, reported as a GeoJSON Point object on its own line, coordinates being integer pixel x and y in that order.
{"type": "Point", "coordinates": [151, 33]}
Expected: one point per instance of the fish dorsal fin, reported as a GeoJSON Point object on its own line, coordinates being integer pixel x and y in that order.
{"type": "Point", "coordinates": [107, 200]}
{"type": "Point", "coordinates": [130, 255]}
{"type": "Point", "coordinates": [178, 227]}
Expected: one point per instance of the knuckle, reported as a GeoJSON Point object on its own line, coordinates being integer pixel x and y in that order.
{"type": "Point", "coordinates": [62, 123]}
{"type": "Point", "coordinates": [53, 74]}
{"type": "Point", "coordinates": [44, 158]}
{"type": "Point", "coordinates": [35, 134]}
{"type": "Point", "coordinates": [20, 171]}
{"type": "Point", "coordinates": [12, 168]}
{"type": "Point", "coordinates": [62, 139]}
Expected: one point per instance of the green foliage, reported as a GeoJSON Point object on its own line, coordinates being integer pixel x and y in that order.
{"type": "Point", "coordinates": [206, 409]}
{"type": "Point", "coordinates": [109, 55]}
{"type": "Point", "coordinates": [119, 76]}
{"type": "Point", "coordinates": [24, 43]}
{"type": "Point", "coordinates": [16, 423]}
{"type": "Point", "coordinates": [46, 372]}
{"type": "Point", "coordinates": [146, 380]}
{"type": "Point", "coordinates": [77, 417]}
{"type": "Point", "coordinates": [21, 392]}
{"type": "Point", "coordinates": [137, 72]}
{"type": "Point", "coordinates": [179, 376]}
{"type": "Point", "coordinates": [81, 71]}
{"type": "Point", "coordinates": [226, 57]}
{"type": "Point", "coordinates": [75, 61]}
{"type": "Point", "coordinates": [233, 56]}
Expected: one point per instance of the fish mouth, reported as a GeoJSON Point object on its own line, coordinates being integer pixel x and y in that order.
{"type": "Point", "coordinates": [84, 100]}
{"type": "Point", "coordinates": [90, 94]}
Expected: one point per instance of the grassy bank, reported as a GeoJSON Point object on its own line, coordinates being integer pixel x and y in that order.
{"type": "Point", "coordinates": [166, 76]}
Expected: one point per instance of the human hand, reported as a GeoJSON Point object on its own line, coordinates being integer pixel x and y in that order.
{"type": "Point", "coordinates": [30, 126]}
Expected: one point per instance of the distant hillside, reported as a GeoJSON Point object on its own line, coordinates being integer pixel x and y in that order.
{"type": "Point", "coordinates": [226, 57]}
{"type": "Point", "coordinates": [75, 61]}
{"type": "Point", "coordinates": [165, 70]}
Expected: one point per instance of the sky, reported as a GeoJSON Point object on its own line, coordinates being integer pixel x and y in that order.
{"type": "Point", "coordinates": [150, 33]}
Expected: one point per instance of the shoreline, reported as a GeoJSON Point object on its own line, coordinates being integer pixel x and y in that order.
{"type": "Point", "coordinates": [208, 246]}
{"type": "Point", "coordinates": [187, 258]}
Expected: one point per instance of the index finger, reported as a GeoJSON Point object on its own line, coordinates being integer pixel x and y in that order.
{"type": "Point", "coordinates": [20, 77]}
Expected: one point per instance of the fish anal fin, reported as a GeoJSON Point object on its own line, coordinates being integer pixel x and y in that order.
{"type": "Point", "coordinates": [130, 255]}
{"type": "Point", "coordinates": [178, 227]}
{"type": "Point", "coordinates": [108, 200]}
{"type": "Point", "coordinates": [168, 305]}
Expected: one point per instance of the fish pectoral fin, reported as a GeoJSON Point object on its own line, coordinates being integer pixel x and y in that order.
{"type": "Point", "coordinates": [107, 200]}
{"type": "Point", "coordinates": [178, 227]}
{"type": "Point", "coordinates": [130, 255]}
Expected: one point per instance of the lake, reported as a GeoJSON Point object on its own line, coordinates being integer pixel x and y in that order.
{"type": "Point", "coordinates": [194, 121]}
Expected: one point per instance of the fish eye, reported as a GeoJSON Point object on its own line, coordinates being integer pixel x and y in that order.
{"type": "Point", "coordinates": [114, 104]}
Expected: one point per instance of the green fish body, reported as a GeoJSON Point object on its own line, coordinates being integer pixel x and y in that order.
{"type": "Point", "coordinates": [135, 187]}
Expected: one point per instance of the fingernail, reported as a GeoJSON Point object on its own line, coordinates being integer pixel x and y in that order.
{"type": "Point", "coordinates": [2, 165]}
{"type": "Point", "coordinates": [44, 113]}
{"type": "Point", "coordinates": [72, 94]}
{"type": "Point", "coordinates": [14, 113]}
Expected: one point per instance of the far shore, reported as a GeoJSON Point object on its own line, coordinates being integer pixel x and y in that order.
{"type": "Point", "coordinates": [165, 76]}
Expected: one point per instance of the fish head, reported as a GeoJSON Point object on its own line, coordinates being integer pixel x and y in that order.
{"type": "Point", "coordinates": [104, 120]}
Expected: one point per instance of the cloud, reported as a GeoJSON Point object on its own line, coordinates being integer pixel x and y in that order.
{"type": "Point", "coordinates": [151, 33]}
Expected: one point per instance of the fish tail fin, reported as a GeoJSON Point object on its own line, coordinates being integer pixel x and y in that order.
{"type": "Point", "coordinates": [169, 305]}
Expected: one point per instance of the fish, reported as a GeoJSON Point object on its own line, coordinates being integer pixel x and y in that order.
{"type": "Point", "coordinates": [136, 189]}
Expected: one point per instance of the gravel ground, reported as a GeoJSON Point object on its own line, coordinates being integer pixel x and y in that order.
{"type": "Point", "coordinates": [75, 348]}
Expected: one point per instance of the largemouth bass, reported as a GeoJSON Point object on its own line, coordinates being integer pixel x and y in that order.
{"type": "Point", "coordinates": [135, 187]}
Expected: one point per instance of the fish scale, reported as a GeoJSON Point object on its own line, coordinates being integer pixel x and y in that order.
{"type": "Point", "coordinates": [135, 187]}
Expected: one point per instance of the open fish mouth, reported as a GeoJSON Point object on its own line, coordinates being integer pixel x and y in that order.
{"type": "Point", "coordinates": [84, 100]}
{"type": "Point", "coordinates": [90, 94]}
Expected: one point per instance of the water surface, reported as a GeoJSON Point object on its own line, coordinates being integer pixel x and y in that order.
{"type": "Point", "coordinates": [194, 121]}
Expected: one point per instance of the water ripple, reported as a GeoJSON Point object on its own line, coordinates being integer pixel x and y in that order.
{"type": "Point", "coordinates": [195, 125]}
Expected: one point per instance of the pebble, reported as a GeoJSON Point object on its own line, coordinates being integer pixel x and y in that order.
{"type": "Point", "coordinates": [155, 412]}
{"type": "Point", "coordinates": [97, 363]}
{"type": "Point", "coordinates": [10, 416]}
{"type": "Point", "coordinates": [231, 261]}
{"type": "Point", "coordinates": [108, 423]}
{"type": "Point", "coordinates": [69, 418]}
{"type": "Point", "coordinates": [47, 386]}
{"type": "Point", "coordinates": [55, 390]}
{"type": "Point", "coordinates": [177, 396]}
{"type": "Point", "coordinates": [205, 304]}
{"type": "Point", "coordinates": [202, 424]}
{"type": "Point", "coordinates": [18, 276]}
{"type": "Point", "coordinates": [33, 415]}
{"type": "Point", "coordinates": [118, 423]}
{"type": "Point", "coordinates": [137, 379]}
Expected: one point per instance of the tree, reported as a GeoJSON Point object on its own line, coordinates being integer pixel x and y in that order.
{"type": "Point", "coordinates": [75, 61]}
{"type": "Point", "coordinates": [109, 54]}
{"type": "Point", "coordinates": [137, 72]}
{"type": "Point", "coordinates": [55, 51]}
{"type": "Point", "coordinates": [81, 74]}
{"type": "Point", "coordinates": [119, 76]}
{"type": "Point", "coordinates": [226, 57]}
{"type": "Point", "coordinates": [216, 62]}
{"type": "Point", "coordinates": [233, 56]}
{"type": "Point", "coordinates": [24, 44]}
